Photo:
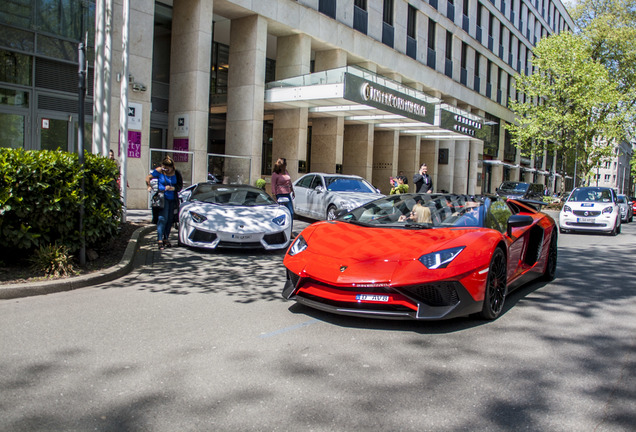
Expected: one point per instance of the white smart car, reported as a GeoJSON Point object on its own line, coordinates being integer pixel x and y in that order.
{"type": "Point", "coordinates": [232, 216]}
{"type": "Point", "coordinates": [591, 209]}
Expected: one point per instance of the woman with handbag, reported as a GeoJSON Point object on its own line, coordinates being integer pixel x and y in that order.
{"type": "Point", "coordinates": [169, 182]}
{"type": "Point", "coordinates": [282, 187]}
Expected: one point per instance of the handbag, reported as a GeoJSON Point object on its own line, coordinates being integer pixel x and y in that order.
{"type": "Point", "coordinates": [158, 200]}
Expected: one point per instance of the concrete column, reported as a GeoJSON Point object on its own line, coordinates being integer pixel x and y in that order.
{"type": "Point", "coordinates": [290, 126]}
{"type": "Point", "coordinates": [246, 89]}
{"type": "Point", "coordinates": [357, 156]}
{"type": "Point", "coordinates": [460, 166]}
{"type": "Point", "coordinates": [409, 157]}
{"type": "Point", "coordinates": [326, 144]}
{"type": "Point", "coordinates": [446, 171]}
{"type": "Point", "coordinates": [476, 149]}
{"type": "Point", "coordinates": [139, 66]}
{"type": "Point", "coordinates": [429, 150]}
{"type": "Point", "coordinates": [327, 133]}
{"type": "Point", "coordinates": [190, 79]}
{"type": "Point", "coordinates": [497, 170]}
{"type": "Point", "coordinates": [385, 158]}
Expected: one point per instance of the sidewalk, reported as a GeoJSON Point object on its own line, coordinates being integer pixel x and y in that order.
{"type": "Point", "coordinates": [141, 251]}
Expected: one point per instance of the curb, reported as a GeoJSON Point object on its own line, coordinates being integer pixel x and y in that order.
{"type": "Point", "coordinates": [124, 267]}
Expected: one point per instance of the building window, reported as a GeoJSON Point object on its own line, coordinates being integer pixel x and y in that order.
{"type": "Point", "coordinates": [430, 58]}
{"type": "Point", "coordinates": [464, 71]}
{"type": "Point", "coordinates": [65, 18]}
{"type": "Point", "coordinates": [360, 16]}
{"type": "Point", "coordinates": [411, 41]}
{"type": "Point", "coordinates": [448, 67]}
{"type": "Point", "coordinates": [387, 12]}
{"type": "Point", "coordinates": [328, 7]}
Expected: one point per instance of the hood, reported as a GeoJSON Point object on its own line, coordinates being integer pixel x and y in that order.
{"type": "Point", "coordinates": [351, 200]}
{"type": "Point", "coordinates": [255, 219]}
{"type": "Point", "coordinates": [373, 254]}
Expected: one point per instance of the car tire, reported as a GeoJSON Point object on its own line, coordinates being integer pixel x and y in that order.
{"type": "Point", "coordinates": [331, 212]}
{"type": "Point", "coordinates": [496, 286]}
{"type": "Point", "coordinates": [551, 260]}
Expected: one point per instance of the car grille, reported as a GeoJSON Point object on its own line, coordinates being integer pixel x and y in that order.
{"type": "Point", "coordinates": [278, 238]}
{"type": "Point", "coordinates": [435, 294]}
{"type": "Point", "coordinates": [586, 213]}
{"type": "Point", "coordinates": [238, 245]}
{"type": "Point", "coordinates": [202, 236]}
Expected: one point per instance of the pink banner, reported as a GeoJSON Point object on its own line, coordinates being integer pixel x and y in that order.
{"type": "Point", "coordinates": [134, 144]}
{"type": "Point", "coordinates": [181, 144]}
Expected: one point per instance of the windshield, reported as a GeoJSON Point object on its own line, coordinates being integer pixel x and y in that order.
{"type": "Point", "coordinates": [513, 187]}
{"type": "Point", "coordinates": [348, 184]}
{"type": "Point", "coordinates": [600, 195]}
{"type": "Point", "coordinates": [233, 195]}
{"type": "Point", "coordinates": [420, 211]}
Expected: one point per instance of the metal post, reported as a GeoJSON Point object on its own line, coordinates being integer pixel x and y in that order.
{"type": "Point", "coordinates": [81, 50]}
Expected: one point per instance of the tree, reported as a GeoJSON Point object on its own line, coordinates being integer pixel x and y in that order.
{"type": "Point", "coordinates": [570, 102]}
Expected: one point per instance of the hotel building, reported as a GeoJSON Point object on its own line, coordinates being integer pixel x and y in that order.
{"type": "Point", "coordinates": [366, 87]}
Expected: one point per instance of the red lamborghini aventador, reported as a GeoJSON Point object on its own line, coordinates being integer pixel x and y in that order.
{"type": "Point", "coordinates": [420, 256]}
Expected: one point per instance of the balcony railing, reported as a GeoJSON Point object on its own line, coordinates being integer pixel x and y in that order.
{"type": "Point", "coordinates": [360, 20]}
{"type": "Point", "coordinates": [431, 58]}
{"type": "Point", "coordinates": [411, 47]}
{"type": "Point", "coordinates": [387, 34]}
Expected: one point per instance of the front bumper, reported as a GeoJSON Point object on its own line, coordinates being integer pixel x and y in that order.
{"type": "Point", "coordinates": [431, 301]}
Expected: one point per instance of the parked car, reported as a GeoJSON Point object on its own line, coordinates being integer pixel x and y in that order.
{"type": "Point", "coordinates": [521, 190]}
{"type": "Point", "coordinates": [320, 196]}
{"type": "Point", "coordinates": [633, 201]}
{"type": "Point", "coordinates": [233, 216]}
{"type": "Point", "coordinates": [591, 209]}
{"type": "Point", "coordinates": [405, 257]}
{"type": "Point", "coordinates": [626, 207]}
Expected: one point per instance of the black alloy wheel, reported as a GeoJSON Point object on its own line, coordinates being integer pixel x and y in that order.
{"type": "Point", "coordinates": [551, 260]}
{"type": "Point", "coordinates": [496, 286]}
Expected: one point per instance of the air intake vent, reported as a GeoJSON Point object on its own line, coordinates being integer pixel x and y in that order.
{"type": "Point", "coordinates": [60, 76]}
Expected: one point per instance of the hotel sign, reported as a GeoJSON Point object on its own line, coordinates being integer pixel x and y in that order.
{"type": "Point", "coordinates": [463, 125]}
{"type": "Point", "coordinates": [383, 98]}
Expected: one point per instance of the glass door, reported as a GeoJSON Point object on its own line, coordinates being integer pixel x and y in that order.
{"type": "Point", "coordinates": [55, 132]}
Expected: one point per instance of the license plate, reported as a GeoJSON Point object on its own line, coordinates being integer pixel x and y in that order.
{"type": "Point", "coordinates": [586, 220]}
{"type": "Point", "coordinates": [372, 297]}
{"type": "Point", "coordinates": [242, 236]}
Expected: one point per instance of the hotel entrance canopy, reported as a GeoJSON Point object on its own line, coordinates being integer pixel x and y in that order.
{"type": "Point", "coordinates": [361, 96]}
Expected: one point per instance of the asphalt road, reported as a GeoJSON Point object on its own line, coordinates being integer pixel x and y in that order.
{"type": "Point", "coordinates": [204, 342]}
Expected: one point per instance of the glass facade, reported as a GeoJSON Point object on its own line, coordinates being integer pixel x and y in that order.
{"type": "Point", "coordinates": [38, 71]}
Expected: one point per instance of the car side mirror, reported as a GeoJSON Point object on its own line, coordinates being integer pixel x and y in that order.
{"type": "Point", "coordinates": [320, 189]}
{"type": "Point", "coordinates": [516, 221]}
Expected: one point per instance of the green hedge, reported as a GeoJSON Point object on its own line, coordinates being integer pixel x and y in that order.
{"type": "Point", "coordinates": [40, 197]}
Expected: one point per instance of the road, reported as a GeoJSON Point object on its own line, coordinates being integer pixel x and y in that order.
{"type": "Point", "coordinates": [204, 341]}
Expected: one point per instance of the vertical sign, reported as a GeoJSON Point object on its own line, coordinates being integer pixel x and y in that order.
{"type": "Point", "coordinates": [181, 134]}
{"type": "Point", "coordinates": [134, 129]}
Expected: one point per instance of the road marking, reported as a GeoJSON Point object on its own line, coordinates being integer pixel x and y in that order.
{"type": "Point", "coordinates": [288, 329]}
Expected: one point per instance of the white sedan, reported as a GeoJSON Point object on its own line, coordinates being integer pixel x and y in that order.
{"type": "Point", "coordinates": [233, 216]}
{"type": "Point", "coordinates": [591, 209]}
{"type": "Point", "coordinates": [320, 196]}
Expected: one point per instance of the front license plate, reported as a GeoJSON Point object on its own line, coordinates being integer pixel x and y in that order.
{"type": "Point", "coordinates": [243, 236]}
{"type": "Point", "coordinates": [372, 297]}
{"type": "Point", "coordinates": [586, 220]}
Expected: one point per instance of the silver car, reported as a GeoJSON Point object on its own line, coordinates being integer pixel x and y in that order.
{"type": "Point", "coordinates": [320, 196]}
{"type": "Point", "coordinates": [627, 210]}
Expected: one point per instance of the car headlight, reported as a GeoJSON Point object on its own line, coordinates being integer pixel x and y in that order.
{"type": "Point", "coordinates": [280, 220]}
{"type": "Point", "coordinates": [567, 208]}
{"type": "Point", "coordinates": [198, 218]}
{"type": "Point", "coordinates": [298, 246]}
{"type": "Point", "coordinates": [608, 210]}
{"type": "Point", "coordinates": [440, 259]}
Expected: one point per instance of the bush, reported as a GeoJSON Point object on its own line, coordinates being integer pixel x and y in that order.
{"type": "Point", "coordinates": [53, 261]}
{"type": "Point", "coordinates": [260, 183]}
{"type": "Point", "coordinates": [40, 197]}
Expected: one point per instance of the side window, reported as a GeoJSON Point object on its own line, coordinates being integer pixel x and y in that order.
{"type": "Point", "coordinates": [498, 214]}
{"type": "Point", "coordinates": [317, 181]}
{"type": "Point", "coordinates": [306, 181]}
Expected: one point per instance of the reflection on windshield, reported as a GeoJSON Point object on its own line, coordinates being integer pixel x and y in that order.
{"type": "Point", "coordinates": [591, 195]}
{"type": "Point", "coordinates": [420, 210]}
{"type": "Point", "coordinates": [345, 184]}
{"type": "Point", "coordinates": [231, 195]}
{"type": "Point", "coordinates": [513, 187]}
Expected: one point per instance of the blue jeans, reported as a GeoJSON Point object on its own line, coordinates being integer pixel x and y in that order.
{"type": "Point", "coordinates": [289, 204]}
{"type": "Point", "coordinates": [164, 221]}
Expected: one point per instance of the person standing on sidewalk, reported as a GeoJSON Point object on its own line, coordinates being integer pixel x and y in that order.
{"type": "Point", "coordinates": [282, 187]}
{"type": "Point", "coordinates": [169, 182]}
{"type": "Point", "coordinates": [423, 181]}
